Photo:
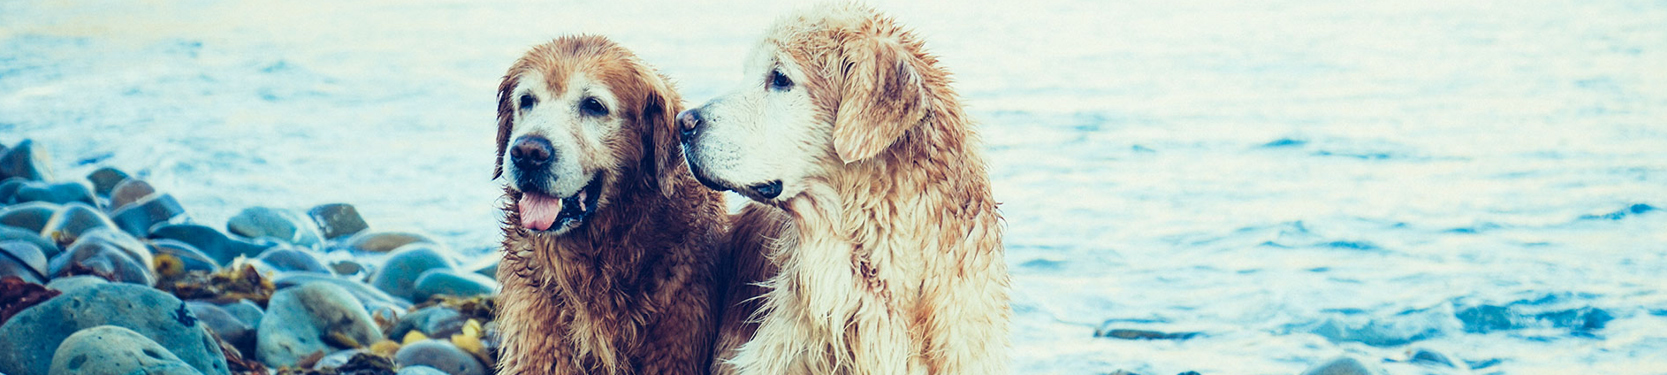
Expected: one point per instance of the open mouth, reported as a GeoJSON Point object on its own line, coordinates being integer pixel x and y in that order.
{"type": "Point", "coordinates": [541, 212]}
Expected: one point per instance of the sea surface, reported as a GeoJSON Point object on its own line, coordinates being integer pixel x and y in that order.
{"type": "Point", "coordinates": [1272, 183]}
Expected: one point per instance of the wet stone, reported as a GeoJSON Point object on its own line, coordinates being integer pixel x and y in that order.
{"type": "Point", "coordinates": [420, 370]}
{"type": "Point", "coordinates": [235, 331]}
{"type": "Point", "coordinates": [453, 283]}
{"type": "Point", "coordinates": [284, 258]}
{"type": "Point", "coordinates": [28, 340]}
{"type": "Point", "coordinates": [24, 260]}
{"type": "Point", "coordinates": [337, 220]}
{"type": "Point", "coordinates": [69, 223]}
{"type": "Point", "coordinates": [440, 355]}
{"type": "Point", "coordinates": [1340, 366]}
{"type": "Point", "coordinates": [129, 191]}
{"type": "Point", "coordinates": [284, 226]}
{"type": "Point", "coordinates": [211, 242]}
{"type": "Point", "coordinates": [105, 180]}
{"type": "Point", "coordinates": [138, 218]}
{"type": "Point", "coordinates": [312, 318]}
{"type": "Point", "coordinates": [106, 252]}
{"type": "Point", "coordinates": [365, 293]}
{"type": "Point", "coordinates": [115, 350]}
{"type": "Point", "coordinates": [432, 321]}
{"type": "Point", "coordinates": [398, 276]}
{"type": "Point", "coordinates": [63, 192]}
{"type": "Point", "coordinates": [48, 248]}
{"type": "Point", "coordinates": [189, 258]}
{"type": "Point", "coordinates": [382, 242]}
{"type": "Point", "coordinates": [245, 310]}
{"type": "Point", "coordinates": [71, 283]}
{"type": "Point", "coordinates": [32, 216]}
{"type": "Point", "coordinates": [23, 161]}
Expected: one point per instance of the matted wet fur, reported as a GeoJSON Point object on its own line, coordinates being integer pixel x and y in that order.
{"type": "Point", "coordinates": [627, 290]}
{"type": "Point", "coordinates": [892, 262]}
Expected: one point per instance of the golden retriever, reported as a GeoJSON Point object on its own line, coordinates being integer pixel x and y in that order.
{"type": "Point", "coordinates": [609, 243]}
{"type": "Point", "coordinates": [893, 260]}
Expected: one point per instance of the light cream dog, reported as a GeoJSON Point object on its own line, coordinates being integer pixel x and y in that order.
{"type": "Point", "coordinates": [892, 261]}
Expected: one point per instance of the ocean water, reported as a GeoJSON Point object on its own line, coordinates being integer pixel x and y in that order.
{"type": "Point", "coordinates": [1283, 181]}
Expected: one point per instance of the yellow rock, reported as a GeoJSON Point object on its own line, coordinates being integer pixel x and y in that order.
{"type": "Point", "coordinates": [413, 336]}
{"type": "Point", "coordinates": [385, 348]}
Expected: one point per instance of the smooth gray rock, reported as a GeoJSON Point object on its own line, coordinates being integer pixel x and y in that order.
{"type": "Point", "coordinates": [28, 340]}
{"type": "Point", "coordinates": [24, 161]}
{"type": "Point", "coordinates": [440, 355]}
{"type": "Point", "coordinates": [450, 282]}
{"type": "Point", "coordinates": [105, 179]}
{"type": "Point", "coordinates": [48, 248]}
{"type": "Point", "coordinates": [211, 242]}
{"type": "Point", "coordinates": [245, 310]}
{"type": "Point", "coordinates": [189, 257]}
{"type": "Point", "coordinates": [300, 320]}
{"type": "Point", "coordinates": [366, 294]}
{"type": "Point", "coordinates": [235, 331]}
{"type": "Point", "coordinates": [432, 321]}
{"type": "Point", "coordinates": [105, 251]}
{"type": "Point", "coordinates": [398, 276]}
{"type": "Point", "coordinates": [68, 284]}
{"type": "Point", "coordinates": [337, 220]}
{"type": "Point", "coordinates": [22, 259]}
{"type": "Point", "coordinates": [139, 217]}
{"type": "Point", "coordinates": [61, 192]}
{"type": "Point", "coordinates": [1344, 365]}
{"type": "Point", "coordinates": [281, 225]}
{"type": "Point", "coordinates": [31, 216]}
{"type": "Point", "coordinates": [419, 370]}
{"type": "Point", "coordinates": [72, 220]}
{"type": "Point", "coordinates": [285, 258]}
{"type": "Point", "coordinates": [129, 191]}
{"type": "Point", "coordinates": [112, 350]}
{"type": "Point", "coordinates": [382, 242]}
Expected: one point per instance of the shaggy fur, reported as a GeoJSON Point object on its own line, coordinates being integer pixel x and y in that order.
{"type": "Point", "coordinates": [894, 262]}
{"type": "Point", "coordinates": [628, 292]}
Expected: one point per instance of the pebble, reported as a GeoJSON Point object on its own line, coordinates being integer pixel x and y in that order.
{"type": "Point", "coordinates": [398, 276]}
{"type": "Point", "coordinates": [312, 318]}
{"type": "Point", "coordinates": [62, 192]}
{"type": "Point", "coordinates": [28, 340]}
{"type": "Point", "coordinates": [74, 219]}
{"type": "Point", "coordinates": [334, 360]}
{"type": "Point", "coordinates": [189, 258]}
{"type": "Point", "coordinates": [48, 248]}
{"type": "Point", "coordinates": [432, 321]}
{"type": "Point", "coordinates": [235, 331]}
{"type": "Point", "coordinates": [32, 216]}
{"type": "Point", "coordinates": [454, 283]}
{"type": "Point", "coordinates": [105, 251]}
{"type": "Point", "coordinates": [211, 242]}
{"type": "Point", "coordinates": [366, 294]}
{"type": "Point", "coordinates": [105, 180]}
{"type": "Point", "coordinates": [129, 191]}
{"type": "Point", "coordinates": [22, 259]}
{"type": "Point", "coordinates": [347, 267]}
{"type": "Point", "coordinates": [337, 220]}
{"type": "Point", "coordinates": [106, 350]}
{"type": "Point", "coordinates": [285, 258]}
{"type": "Point", "coordinates": [71, 283]}
{"type": "Point", "coordinates": [284, 226]}
{"type": "Point", "coordinates": [1344, 365]}
{"type": "Point", "coordinates": [245, 310]}
{"type": "Point", "coordinates": [420, 370]}
{"type": "Point", "coordinates": [382, 242]}
{"type": "Point", "coordinates": [23, 161]}
{"type": "Point", "coordinates": [440, 355]}
{"type": "Point", "coordinates": [138, 218]}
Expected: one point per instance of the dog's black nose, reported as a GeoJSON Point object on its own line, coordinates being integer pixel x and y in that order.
{"type": "Point", "coordinates": [689, 123]}
{"type": "Point", "coordinates": [531, 151]}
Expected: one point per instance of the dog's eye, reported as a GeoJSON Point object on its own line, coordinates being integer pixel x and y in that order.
{"type": "Point", "coordinates": [527, 101]}
{"type": "Point", "coordinates": [779, 82]}
{"type": "Point", "coordinates": [593, 107]}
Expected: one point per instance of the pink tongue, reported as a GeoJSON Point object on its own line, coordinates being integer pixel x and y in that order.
{"type": "Point", "coordinates": [539, 211]}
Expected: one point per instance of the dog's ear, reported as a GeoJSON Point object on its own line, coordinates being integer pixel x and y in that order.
{"type": "Point", "coordinates": [661, 151]}
{"type": "Point", "coordinates": [882, 97]}
{"type": "Point", "coordinates": [506, 113]}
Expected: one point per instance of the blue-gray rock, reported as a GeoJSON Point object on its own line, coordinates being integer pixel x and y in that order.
{"type": "Point", "coordinates": [337, 359]}
{"type": "Point", "coordinates": [23, 161]}
{"type": "Point", "coordinates": [366, 294]}
{"type": "Point", "coordinates": [419, 370]}
{"type": "Point", "coordinates": [109, 350]}
{"type": "Point", "coordinates": [67, 284]}
{"type": "Point", "coordinates": [281, 225]}
{"type": "Point", "coordinates": [8, 188]}
{"type": "Point", "coordinates": [69, 223]}
{"type": "Point", "coordinates": [347, 268]}
{"type": "Point", "coordinates": [129, 191]}
{"type": "Point", "coordinates": [432, 321]}
{"type": "Point", "coordinates": [301, 321]}
{"type": "Point", "coordinates": [105, 251]}
{"type": "Point", "coordinates": [62, 192]}
{"type": "Point", "coordinates": [138, 218]}
{"type": "Point", "coordinates": [47, 247]}
{"type": "Point", "coordinates": [337, 220]}
{"type": "Point", "coordinates": [285, 258]}
{"type": "Point", "coordinates": [450, 282]}
{"type": "Point", "coordinates": [235, 331]}
{"type": "Point", "coordinates": [440, 355]}
{"type": "Point", "coordinates": [210, 241]}
{"type": "Point", "coordinates": [1344, 365]}
{"type": "Point", "coordinates": [189, 257]}
{"type": "Point", "coordinates": [398, 276]}
{"type": "Point", "coordinates": [24, 260]}
{"type": "Point", "coordinates": [245, 310]}
{"type": "Point", "coordinates": [32, 216]}
{"type": "Point", "coordinates": [105, 179]}
{"type": "Point", "coordinates": [382, 242]}
{"type": "Point", "coordinates": [28, 340]}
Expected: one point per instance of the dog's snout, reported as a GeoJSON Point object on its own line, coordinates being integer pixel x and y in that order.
{"type": "Point", "coordinates": [689, 123]}
{"type": "Point", "coordinates": [531, 151]}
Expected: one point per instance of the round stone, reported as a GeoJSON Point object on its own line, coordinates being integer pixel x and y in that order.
{"type": "Point", "coordinates": [440, 355]}
{"type": "Point", "coordinates": [28, 340]}
{"type": "Point", "coordinates": [105, 350]}
{"type": "Point", "coordinates": [337, 220]}
{"type": "Point", "coordinates": [32, 216]}
{"type": "Point", "coordinates": [105, 179]}
{"type": "Point", "coordinates": [10, 233]}
{"type": "Point", "coordinates": [285, 258]}
{"type": "Point", "coordinates": [450, 282]}
{"type": "Point", "coordinates": [23, 161]}
{"type": "Point", "coordinates": [284, 226]}
{"type": "Point", "coordinates": [139, 217]}
{"type": "Point", "coordinates": [129, 191]}
{"type": "Point", "coordinates": [74, 219]}
{"type": "Point", "coordinates": [189, 258]}
{"type": "Point", "coordinates": [63, 192]}
{"type": "Point", "coordinates": [313, 318]}
{"type": "Point", "coordinates": [398, 276]}
{"type": "Point", "coordinates": [24, 260]}
{"type": "Point", "coordinates": [210, 241]}
{"type": "Point", "coordinates": [382, 242]}
{"type": "Point", "coordinates": [105, 252]}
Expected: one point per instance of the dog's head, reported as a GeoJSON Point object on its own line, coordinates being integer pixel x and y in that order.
{"type": "Point", "coordinates": [582, 124]}
{"type": "Point", "coordinates": [833, 85]}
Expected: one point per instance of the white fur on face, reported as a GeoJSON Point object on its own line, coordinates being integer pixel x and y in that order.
{"type": "Point", "coordinates": [756, 135]}
{"type": "Point", "coordinates": [578, 139]}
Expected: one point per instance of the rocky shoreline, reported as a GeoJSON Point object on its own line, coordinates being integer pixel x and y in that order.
{"type": "Point", "coordinates": [109, 275]}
